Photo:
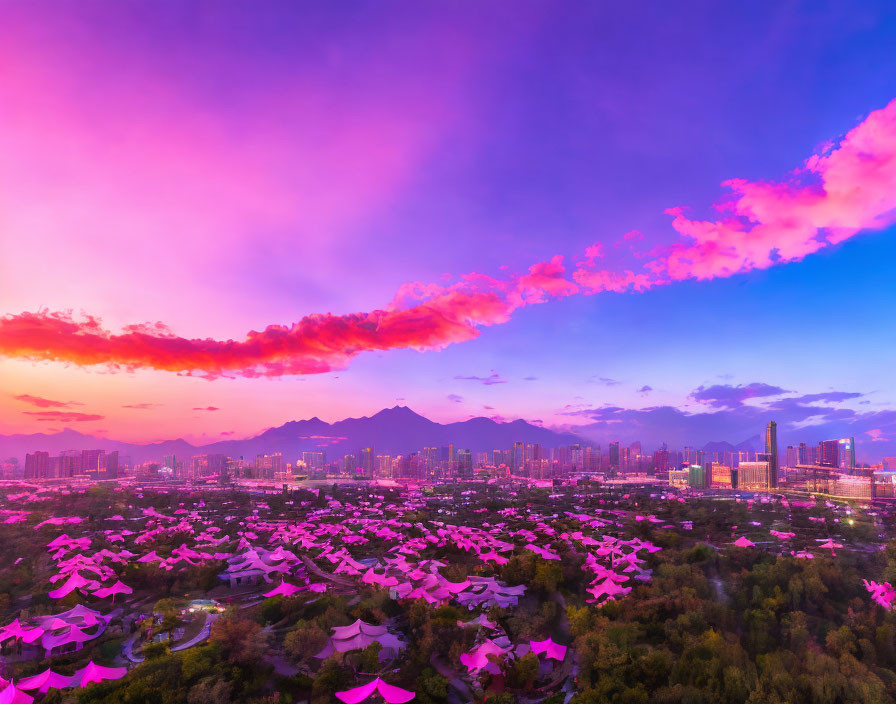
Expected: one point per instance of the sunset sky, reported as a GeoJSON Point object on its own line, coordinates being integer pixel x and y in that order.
{"type": "Point", "coordinates": [219, 216]}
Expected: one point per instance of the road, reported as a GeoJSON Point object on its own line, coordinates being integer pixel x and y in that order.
{"type": "Point", "coordinates": [199, 637]}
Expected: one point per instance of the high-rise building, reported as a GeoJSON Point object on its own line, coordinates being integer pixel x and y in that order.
{"type": "Point", "coordinates": [37, 465]}
{"type": "Point", "coordinates": [661, 460]}
{"type": "Point", "coordinates": [266, 466]}
{"type": "Point", "coordinates": [589, 459]}
{"type": "Point", "coordinates": [722, 476]}
{"type": "Point", "coordinates": [625, 460]}
{"type": "Point", "coordinates": [847, 455]}
{"type": "Point", "coordinates": [829, 453]}
{"type": "Point", "coordinates": [69, 463]}
{"type": "Point", "coordinates": [791, 459]}
{"type": "Point", "coordinates": [368, 461]}
{"type": "Point", "coordinates": [464, 460]}
{"type": "Point", "coordinates": [754, 475]}
{"type": "Point", "coordinates": [314, 460]}
{"type": "Point", "coordinates": [840, 453]}
{"type": "Point", "coordinates": [771, 450]}
{"type": "Point", "coordinates": [112, 465]}
{"type": "Point", "coordinates": [384, 466]}
{"type": "Point", "coordinates": [91, 461]}
{"type": "Point", "coordinates": [430, 460]}
{"type": "Point", "coordinates": [697, 477]}
{"type": "Point", "coordinates": [613, 457]}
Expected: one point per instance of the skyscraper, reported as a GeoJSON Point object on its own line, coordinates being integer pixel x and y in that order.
{"type": "Point", "coordinates": [613, 459]}
{"type": "Point", "coordinates": [791, 457]}
{"type": "Point", "coordinates": [771, 451]}
{"type": "Point", "coordinates": [368, 461]}
{"type": "Point", "coordinates": [37, 465]}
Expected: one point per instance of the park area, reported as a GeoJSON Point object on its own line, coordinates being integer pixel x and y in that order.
{"type": "Point", "coordinates": [462, 592]}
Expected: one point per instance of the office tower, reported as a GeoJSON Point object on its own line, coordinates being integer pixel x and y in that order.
{"type": "Point", "coordinates": [839, 454]}
{"type": "Point", "coordinates": [384, 466]}
{"type": "Point", "coordinates": [464, 459]}
{"type": "Point", "coordinates": [635, 447]}
{"type": "Point", "coordinates": [613, 460]}
{"type": "Point", "coordinates": [829, 453]}
{"type": "Point", "coordinates": [847, 455]}
{"type": "Point", "coordinates": [266, 466]}
{"type": "Point", "coordinates": [70, 463]}
{"type": "Point", "coordinates": [368, 461]}
{"type": "Point", "coordinates": [216, 463]}
{"type": "Point", "coordinates": [112, 465]}
{"type": "Point", "coordinates": [429, 460]}
{"type": "Point", "coordinates": [349, 464]}
{"type": "Point", "coordinates": [661, 460]}
{"type": "Point", "coordinates": [590, 459]}
{"type": "Point", "coordinates": [37, 465]}
{"type": "Point", "coordinates": [446, 459]}
{"type": "Point", "coordinates": [697, 477]}
{"type": "Point", "coordinates": [90, 461]}
{"type": "Point", "coordinates": [791, 460]}
{"type": "Point", "coordinates": [314, 460]}
{"type": "Point", "coordinates": [518, 457]}
{"type": "Point", "coordinates": [721, 476]}
{"type": "Point", "coordinates": [803, 454]}
{"type": "Point", "coordinates": [771, 450]}
{"type": "Point", "coordinates": [754, 475]}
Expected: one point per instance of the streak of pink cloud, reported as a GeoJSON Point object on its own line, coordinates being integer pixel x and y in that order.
{"type": "Point", "coordinates": [765, 223]}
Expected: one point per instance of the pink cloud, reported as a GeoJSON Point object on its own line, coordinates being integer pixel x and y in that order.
{"type": "Point", "coordinates": [831, 197]}
{"type": "Point", "coordinates": [45, 402]}
{"type": "Point", "coordinates": [64, 416]}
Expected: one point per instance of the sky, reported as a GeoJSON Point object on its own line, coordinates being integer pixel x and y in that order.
{"type": "Point", "coordinates": [657, 222]}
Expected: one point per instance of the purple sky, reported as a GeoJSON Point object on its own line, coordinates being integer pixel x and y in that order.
{"type": "Point", "coordinates": [513, 210]}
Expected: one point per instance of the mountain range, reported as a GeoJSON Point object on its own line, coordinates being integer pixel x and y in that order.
{"type": "Point", "coordinates": [396, 430]}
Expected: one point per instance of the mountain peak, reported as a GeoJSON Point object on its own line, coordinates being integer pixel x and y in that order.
{"type": "Point", "coordinates": [397, 412]}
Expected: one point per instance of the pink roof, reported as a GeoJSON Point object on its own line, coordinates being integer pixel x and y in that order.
{"type": "Point", "coordinates": [283, 589]}
{"type": "Point", "coordinates": [478, 658]}
{"type": "Point", "coordinates": [11, 695]}
{"type": "Point", "coordinates": [118, 588]}
{"type": "Point", "coordinates": [72, 635]}
{"type": "Point", "coordinates": [390, 693]}
{"type": "Point", "coordinates": [357, 628]}
{"type": "Point", "coordinates": [549, 648]}
{"type": "Point", "coordinates": [75, 581]}
{"type": "Point", "coordinates": [743, 542]}
{"type": "Point", "coordinates": [97, 673]}
{"type": "Point", "coordinates": [47, 680]}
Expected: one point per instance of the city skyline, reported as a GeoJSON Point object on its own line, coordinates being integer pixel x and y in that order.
{"type": "Point", "coordinates": [399, 432]}
{"type": "Point", "coordinates": [654, 239]}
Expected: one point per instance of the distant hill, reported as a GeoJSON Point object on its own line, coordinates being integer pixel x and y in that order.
{"type": "Point", "coordinates": [754, 444]}
{"type": "Point", "coordinates": [396, 430]}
